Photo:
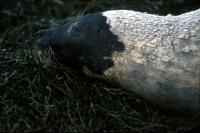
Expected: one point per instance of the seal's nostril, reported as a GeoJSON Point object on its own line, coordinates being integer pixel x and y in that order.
{"type": "Point", "coordinates": [40, 33]}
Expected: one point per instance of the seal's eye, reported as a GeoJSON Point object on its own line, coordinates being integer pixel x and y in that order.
{"type": "Point", "coordinates": [75, 31]}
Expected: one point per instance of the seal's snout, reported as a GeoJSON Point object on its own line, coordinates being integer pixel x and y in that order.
{"type": "Point", "coordinates": [43, 37]}
{"type": "Point", "coordinates": [40, 33]}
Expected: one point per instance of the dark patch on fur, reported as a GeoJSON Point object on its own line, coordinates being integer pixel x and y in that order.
{"type": "Point", "coordinates": [87, 37]}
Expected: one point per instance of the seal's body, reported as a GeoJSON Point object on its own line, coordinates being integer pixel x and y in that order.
{"type": "Point", "coordinates": [156, 57]}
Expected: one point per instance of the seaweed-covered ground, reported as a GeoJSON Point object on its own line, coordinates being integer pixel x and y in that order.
{"type": "Point", "coordinates": [37, 97]}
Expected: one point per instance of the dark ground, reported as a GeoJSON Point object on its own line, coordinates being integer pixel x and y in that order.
{"type": "Point", "coordinates": [34, 97]}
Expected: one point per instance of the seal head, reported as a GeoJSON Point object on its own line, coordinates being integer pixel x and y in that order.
{"type": "Point", "coordinates": [69, 39]}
